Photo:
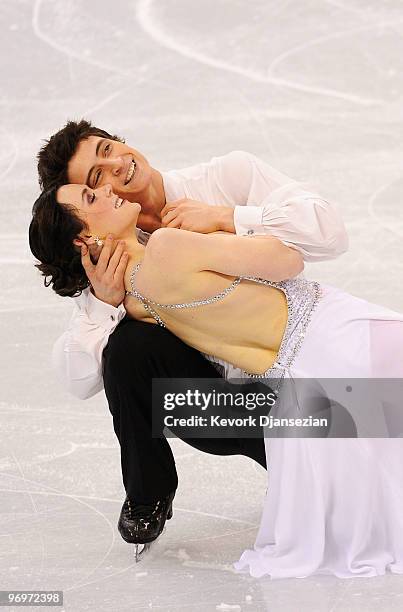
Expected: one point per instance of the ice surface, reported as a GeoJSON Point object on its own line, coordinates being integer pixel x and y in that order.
{"type": "Point", "coordinates": [314, 88]}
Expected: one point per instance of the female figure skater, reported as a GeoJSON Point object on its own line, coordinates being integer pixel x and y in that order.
{"type": "Point", "coordinates": [333, 505]}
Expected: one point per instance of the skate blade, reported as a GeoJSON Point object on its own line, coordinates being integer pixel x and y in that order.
{"type": "Point", "coordinates": [140, 551]}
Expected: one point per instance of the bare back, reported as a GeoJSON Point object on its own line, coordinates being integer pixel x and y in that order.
{"type": "Point", "coordinates": [244, 328]}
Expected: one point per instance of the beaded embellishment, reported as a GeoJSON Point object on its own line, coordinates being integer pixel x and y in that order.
{"type": "Point", "coordinates": [147, 301]}
{"type": "Point", "coordinates": [302, 297]}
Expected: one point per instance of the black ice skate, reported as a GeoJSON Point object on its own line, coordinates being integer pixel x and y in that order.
{"type": "Point", "coordinates": [142, 524]}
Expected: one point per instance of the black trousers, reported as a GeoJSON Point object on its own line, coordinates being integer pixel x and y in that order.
{"type": "Point", "coordinates": [136, 353]}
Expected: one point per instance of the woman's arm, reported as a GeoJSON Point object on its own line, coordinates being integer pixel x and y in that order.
{"type": "Point", "coordinates": [262, 256]}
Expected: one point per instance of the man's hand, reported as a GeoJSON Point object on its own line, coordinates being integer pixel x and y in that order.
{"type": "Point", "coordinates": [107, 276]}
{"type": "Point", "coordinates": [197, 216]}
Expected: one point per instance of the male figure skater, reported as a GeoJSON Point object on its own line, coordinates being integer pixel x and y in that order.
{"type": "Point", "coordinates": [236, 192]}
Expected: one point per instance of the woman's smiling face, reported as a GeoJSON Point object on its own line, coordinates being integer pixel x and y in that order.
{"type": "Point", "coordinates": [102, 210]}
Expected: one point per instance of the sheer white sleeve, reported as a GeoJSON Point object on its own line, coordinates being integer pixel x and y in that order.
{"type": "Point", "coordinates": [269, 202]}
{"type": "Point", "coordinates": [77, 353]}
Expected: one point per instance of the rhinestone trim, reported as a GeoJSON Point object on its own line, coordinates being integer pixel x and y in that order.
{"type": "Point", "coordinates": [147, 301]}
{"type": "Point", "coordinates": [302, 298]}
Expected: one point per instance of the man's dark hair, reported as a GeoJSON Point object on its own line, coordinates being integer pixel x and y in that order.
{"type": "Point", "coordinates": [51, 233]}
{"type": "Point", "coordinates": [56, 153]}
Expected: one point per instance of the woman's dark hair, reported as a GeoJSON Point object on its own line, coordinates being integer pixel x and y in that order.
{"type": "Point", "coordinates": [51, 233]}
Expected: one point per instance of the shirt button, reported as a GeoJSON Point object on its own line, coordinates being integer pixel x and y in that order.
{"type": "Point", "coordinates": [251, 231]}
{"type": "Point", "coordinates": [113, 317]}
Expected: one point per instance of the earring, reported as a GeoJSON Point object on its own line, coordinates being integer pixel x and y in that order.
{"type": "Point", "coordinates": [98, 241]}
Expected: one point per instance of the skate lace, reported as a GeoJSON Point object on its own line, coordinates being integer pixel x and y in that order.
{"type": "Point", "coordinates": [140, 510]}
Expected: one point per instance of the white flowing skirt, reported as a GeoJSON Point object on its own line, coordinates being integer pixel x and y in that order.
{"type": "Point", "coordinates": [335, 505]}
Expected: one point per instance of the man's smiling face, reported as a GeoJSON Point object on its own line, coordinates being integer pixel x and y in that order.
{"type": "Point", "coordinates": [100, 161]}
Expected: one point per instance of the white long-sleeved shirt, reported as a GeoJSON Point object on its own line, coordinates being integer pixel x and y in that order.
{"type": "Point", "coordinates": [265, 201]}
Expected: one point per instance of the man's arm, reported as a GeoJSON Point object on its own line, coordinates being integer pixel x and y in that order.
{"type": "Point", "coordinates": [263, 201]}
{"type": "Point", "coordinates": [77, 354]}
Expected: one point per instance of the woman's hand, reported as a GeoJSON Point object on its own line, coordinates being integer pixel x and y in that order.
{"type": "Point", "coordinates": [197, 216]}
{"type": "Point", "coordinates": [107, 275]}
